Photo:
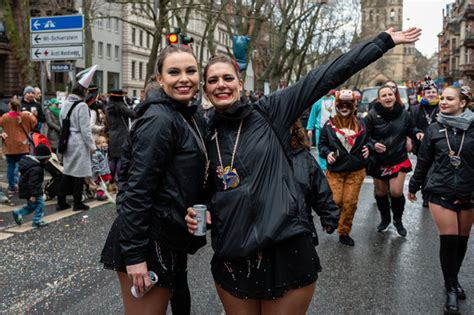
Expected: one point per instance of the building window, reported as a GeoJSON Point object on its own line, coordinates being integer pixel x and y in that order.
{"type": "Point", "coordinates": [109, 51]}
{"type": "Point", "coordinates": [371, 16]}
{"type": "Point", "coordinates": [392, 15]}
{"type": "Point", "coordinates": [140, 70]}
{"type": "Point", "coordinates": [99, 79]}
{"type": "Point", "coordinates": [133, 69]}
{"type": "Point", "coordinates": [133, 35]}
{"type": "Point", "coordinates": [113, 80]}
{"type": "Point", "coordinates": [141, 38]}
{"type": "Point", "coordinates": [93, 48]}
{"type": "Point", "coordinates": [148, 40]}
{"type": "Point", "coordinates": [100, 49]}
{"type": "Point", "coordinates": [107, 23]}
{"type": "Point", "coordinates": [99, 20]}
{"type": "Point", "coordinates": [116, 25]}
{"type": "Point", "coordinates": [134, 93]}
{"type": "Point", "coordinates": [117, 52]}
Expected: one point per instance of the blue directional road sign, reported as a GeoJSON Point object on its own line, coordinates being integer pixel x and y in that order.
{"type": "Point", "coordinates": [57, 23]}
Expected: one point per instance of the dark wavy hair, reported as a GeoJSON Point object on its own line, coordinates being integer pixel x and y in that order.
{"type": "Point", "coordinates": [298, 137]}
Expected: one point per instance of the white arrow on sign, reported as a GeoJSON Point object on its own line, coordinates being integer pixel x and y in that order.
{"type": "Point", "coordinates": [56, 38]}
{"type": "Point", "coordinates": [37, 24]}
{"type": "Point", "coordinates": [57, 53]}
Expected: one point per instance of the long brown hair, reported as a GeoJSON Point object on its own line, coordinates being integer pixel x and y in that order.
{"type": "Point", "coordinates": [221, 59]}
{"type": "Point", "coordinates": [170, 50]}
{"type": "Point", "coordinates": [298, 137]}
{"type": "Point", "coordinates": [15, 106]}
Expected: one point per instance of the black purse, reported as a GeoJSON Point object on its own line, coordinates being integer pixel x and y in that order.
{"type": "Point", "coordinates": [65, 130]}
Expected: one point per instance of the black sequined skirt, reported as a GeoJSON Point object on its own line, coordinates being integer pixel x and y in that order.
{"type": "Point", "coordinates": [291, 264]}
{"type": "Point", "coordinates": [168, 264]}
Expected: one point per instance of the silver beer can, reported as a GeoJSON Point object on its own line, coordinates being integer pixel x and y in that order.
{"type": "Point", "coordinates": [201, 219]}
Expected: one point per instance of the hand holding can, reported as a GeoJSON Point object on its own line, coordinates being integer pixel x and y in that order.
{"type": "Point", "coordinates": [201, 219]}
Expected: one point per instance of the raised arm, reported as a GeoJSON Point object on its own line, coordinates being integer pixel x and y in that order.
{"type": "Point", "coordinates": [285, 106]}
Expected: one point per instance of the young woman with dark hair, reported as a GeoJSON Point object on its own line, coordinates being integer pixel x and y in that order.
{"type": "Point", "coordinates": [164, 171]}
{"type": "Point", "coordinates": [265, 261]}
{"type": "Point", "coordinates": [445, 168]}
{"type": "Point", "coordinates": [388, 126]}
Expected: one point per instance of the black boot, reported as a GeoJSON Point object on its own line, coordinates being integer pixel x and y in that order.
{"type": "Point", "coordinates": [462, 248]}
{"type": "Point", "coordinates": [62, 204]}
{"type": "Point", "coordinates": [448, 255]}
{"type": "Point", "coordinates": [398, 206]}
{"type": "Point", "coordinates": [452, 305]}
{"type": "Point", "coordinates": [77, 194]}
{"type": "Point", "coordinates": [384, 207]}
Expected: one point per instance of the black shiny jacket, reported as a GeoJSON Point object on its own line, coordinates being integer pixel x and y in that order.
{"type": "Point", "coordinates": [391, 133]}
{"type": "Point", "coordinates": [433, 167]}
{"type": "Point", "coordinates": [423, 116]}
{"type": "Point", "coordinates": [317, 193]}
{"type": "Point", "coordinates": [345, 161]}
{"type": "Point", "coordinates": [266, 207]}
{"type": "Point", "coordinates": [163, 175]}
{"type": "Point", "coordinates": [31, 177]}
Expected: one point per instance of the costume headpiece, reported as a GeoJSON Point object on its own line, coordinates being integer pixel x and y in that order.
{"type": "Point", "coordinates": [428, 84]}
{"type": "Point", "coordinates": [84, 78]}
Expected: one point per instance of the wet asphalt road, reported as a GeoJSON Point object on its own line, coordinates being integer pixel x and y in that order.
{"type": "Point", "coordinates": [55, 270]}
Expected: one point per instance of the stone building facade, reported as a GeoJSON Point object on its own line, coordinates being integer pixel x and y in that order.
{"type": "Point", "coordinates": [399, 63]}
{"type": "Point", "coordinates": [456, 42]}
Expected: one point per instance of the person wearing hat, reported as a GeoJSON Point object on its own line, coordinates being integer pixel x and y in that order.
{"type": "Point", "coordinates": [118, 113]}
{"type": "Point", "coordinates": [80, 144]}
{"type": "Point", "coordinates": [343, 144]}
{"type": "Point", "coordinates": [29, 104]}
{"type": "Point", "coordinates": [31, 185]}
{"type": "Point", "coordinates": [54, 124]}
{"type": "Point", "coordinates": [97, 110]}
{"type": "Point", "coordinates": [320, 113]}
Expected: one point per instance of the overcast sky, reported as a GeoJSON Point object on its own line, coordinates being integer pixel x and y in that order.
{"type": "Point", "coordinates": [428, 15]}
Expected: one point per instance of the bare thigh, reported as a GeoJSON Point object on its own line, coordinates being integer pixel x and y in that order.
{"type": "Point", "coordinates": [381, 187]}
{"type": "Point", "coordinates": [446, 220]}
{"type": "Point", "coordinates": [396, 185]}
{"type": "Point", "coordinates": [294, 302]}
{"type": "Point", "coordinates": [465, 221]}
{"type": "Point", "coordinates": [154, 302]}
{"type": "Point", "coordinates": [236, 306]}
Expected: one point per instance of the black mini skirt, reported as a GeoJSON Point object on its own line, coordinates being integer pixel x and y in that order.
{"type": "Point", "coordinates": [168, 264]}
{"type": "Point", "coordinates": [267, 275]}
{"type": "Point", "coordinates": [453, 204]}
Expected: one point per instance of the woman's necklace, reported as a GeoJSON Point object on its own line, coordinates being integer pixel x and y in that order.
{"type": "Point", "coordinates": [429, 117]}
{"type": "Point", "coordinates": [228, 174]}
{"type": "Point", "coordinates": [454, 158]}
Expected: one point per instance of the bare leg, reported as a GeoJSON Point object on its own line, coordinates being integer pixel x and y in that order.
{"type": "Point", "coordinates": [236, 306]}
{"type": "Point", "coordinates": [154, 302]}
{"type": "Point", "coordinates": [465, 221]}
{"type": "Point", "coordinates": [396, 185]}
{"type": "Point", "coordinates": [446, 220]}
{"type": "Point", "coordinates": [294, 302]}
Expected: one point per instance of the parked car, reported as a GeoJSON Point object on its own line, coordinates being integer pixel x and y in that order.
{"type": "Point", "coordinates": [370, 94]}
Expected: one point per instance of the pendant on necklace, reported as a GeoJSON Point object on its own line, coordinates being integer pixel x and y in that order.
{"type": "Point", "coordinates": [455, 160]}
{"type": "Point", "coordinates": [230, 178]}
{"type": "Point", "coordinates": [220, 172]}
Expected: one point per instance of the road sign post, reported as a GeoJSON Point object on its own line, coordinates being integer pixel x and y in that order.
{"type": "Point", "coordinates": [56, 38]}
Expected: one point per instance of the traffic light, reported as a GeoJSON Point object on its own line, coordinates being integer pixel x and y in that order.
{"type": "Point", "coordinates": [172, 39]}
{"type": "Point", "coordinates": [185, 39]}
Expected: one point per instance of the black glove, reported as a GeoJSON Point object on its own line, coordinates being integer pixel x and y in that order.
{"type": "Point", "coordinates": [329, 229]}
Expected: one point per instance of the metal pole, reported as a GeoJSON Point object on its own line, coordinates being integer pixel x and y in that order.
{"type": "Point", "coordinates": [43, 82]}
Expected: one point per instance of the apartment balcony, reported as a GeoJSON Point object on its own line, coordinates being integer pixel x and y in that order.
{"type": "Point", "coordinates": [469, 11]}
{"type": "Point", "coordinates": [467, 69]}
{"type": "Point", "coordinates": [469, 40]}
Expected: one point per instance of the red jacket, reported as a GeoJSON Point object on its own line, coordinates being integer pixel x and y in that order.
{"type": "Point", "coordinates": [17, 140]}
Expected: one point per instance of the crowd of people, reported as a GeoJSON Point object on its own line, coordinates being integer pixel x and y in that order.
{"type": "Point", "coordinates": [248, 160]}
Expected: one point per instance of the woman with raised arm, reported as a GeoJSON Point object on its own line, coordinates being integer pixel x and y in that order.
{"type": "Point", "coordinates": [445, 170]}
{"type": "Point", "coordinates": [265, 261]}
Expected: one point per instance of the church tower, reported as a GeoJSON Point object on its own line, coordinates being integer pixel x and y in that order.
{"type": "Point", "coordinates": [399, 63]}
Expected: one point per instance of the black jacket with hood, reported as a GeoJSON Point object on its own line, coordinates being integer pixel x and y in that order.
{"type": "Point", "coordinates": [345, 161]}
{"type": "Point", "coordinates": [31, 177]}
{"type": "Point", "coordinates": [391, 131]}
{"type": "Point", "coordinates": [163, 170]}
{"type": "Point", "coordinates": [433, 166]}
{"type": "Point", "coordinates": [266, 207]}
{"type": "Point", "coordinates": [317, 193]}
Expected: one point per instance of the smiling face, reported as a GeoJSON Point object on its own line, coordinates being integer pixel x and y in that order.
{"type": "Point", "coordinates": [222, 86]}
{"type": "Point", "coordinates": [450, 102]}
{"type": "Point", "coordinates": [431, 94]}
{"type": "Point", "coordinates": [387, 97]}
{"type": "Point", "coordinates": [179, 76]}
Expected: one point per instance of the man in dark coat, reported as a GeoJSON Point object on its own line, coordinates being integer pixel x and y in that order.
{"type": "Point", "coordinates": [118, 113]}
{"type": "Point", "coordinates": [28, 103]}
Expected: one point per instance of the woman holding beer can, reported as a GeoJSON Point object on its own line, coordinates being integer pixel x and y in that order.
{"type": "Point", "coordinates": [264, 258]}
{"type": "Point", "coordinates": [445, 169]}
{"type": "Point", "coordinates": [166, 163]}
